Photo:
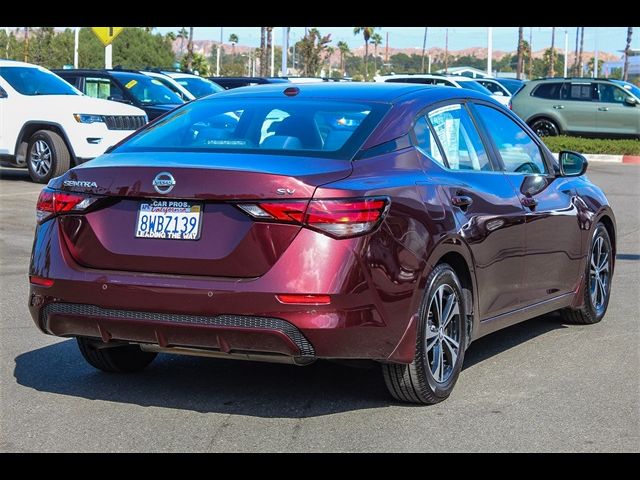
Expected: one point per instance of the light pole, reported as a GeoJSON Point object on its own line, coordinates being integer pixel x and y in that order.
{"type": "Point", "coordinates": [489, 51]}
{"type": "Point", "coordinates": [566, 53]}
{"type": "Point", "coordinates": [76, 40]}
{"type": "Point", "coordinates": [285, 51]}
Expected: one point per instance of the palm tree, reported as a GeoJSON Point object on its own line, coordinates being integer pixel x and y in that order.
{"type": "Point", "coordinates": [627, 50]}
{"type": "Point", "coordinates": [233, 38]}
{"type": "Point", "coordinates": [366, 33]}
{"type": "Point", "coordinates": [376, 39]}
{"type": "Point", "coordinates": [182, 35]}
{"type": "Point", "coordinates": [269, 52]}
{"type": "Point", "coordinates": [552, 72]}
{"type": "Point", "coordinates": [344, 51]}
{"type": "Point", "coordinates": [329, 52]}
{"type": "Point", "coordinates": [424, 48]}
{"type": "Point", "coordinates": [263, 40]}
{"type": "Point", "coordinates": [579, 64]}
{"type": "Point", "coordinates": [190, 49]}
{"type": "Point", "coordinates": [520, 53]}
{"type": "Point", "coordinates": [171, 36]}
{"type": "Point", "coordinates": [26, 43]}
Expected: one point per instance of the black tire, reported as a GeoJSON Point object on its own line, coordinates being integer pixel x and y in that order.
{"type": "Point", "coordinates": [593, 311]}
{"type": "Point", "coordinates": [58, 156]}
{"type": "Point", "coordinates": [415, 382]}
{"type": "Point", "coordinates": [121, 359]}
{"type": "Point", "coordinates": [545, 127]}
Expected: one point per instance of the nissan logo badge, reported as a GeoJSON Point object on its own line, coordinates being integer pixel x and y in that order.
{"type": "Point", "coordinates": [164, 182]}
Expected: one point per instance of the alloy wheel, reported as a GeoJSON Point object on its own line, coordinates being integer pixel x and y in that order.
{"type": "Point", "coordinates": [40, 157]}
{"type": "Point", "coordinates": [443, 333]}
{"type": "Point", "coordinates": [599, 274]}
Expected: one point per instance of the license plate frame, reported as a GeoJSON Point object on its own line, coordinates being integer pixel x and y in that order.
{"type": "Point", "coordinates": [175, 209]}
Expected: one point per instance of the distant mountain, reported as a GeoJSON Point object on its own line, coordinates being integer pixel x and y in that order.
{"type": "Point", "coordinates": [206, 47]}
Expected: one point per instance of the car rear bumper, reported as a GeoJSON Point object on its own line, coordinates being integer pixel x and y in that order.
{"type": "Point", "coordinates": [366, 318]}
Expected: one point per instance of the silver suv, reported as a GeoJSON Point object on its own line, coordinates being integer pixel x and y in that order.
{"type": "Point", "coordinates": [580, 106]}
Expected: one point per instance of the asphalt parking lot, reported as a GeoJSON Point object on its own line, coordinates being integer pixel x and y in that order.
{"type": "Point", "coordinates": [538, 386]}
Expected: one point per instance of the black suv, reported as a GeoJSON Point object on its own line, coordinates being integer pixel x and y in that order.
{"type": "Point", "coordinates": [124, 86]}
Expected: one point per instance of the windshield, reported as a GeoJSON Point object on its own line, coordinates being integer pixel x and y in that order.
{"type": "Point", "coordinates": [36, 81]}
{"type": "Point", "coordinates": [283, 126]}
{"type": "Point", "coordinates": [473, 85]}
{"type": "Point", "coordinates": [199, 86]}
{"type": "Point", "coordinates": [629, 87]}
{"type": "Point", "coordinates": [148, 91]}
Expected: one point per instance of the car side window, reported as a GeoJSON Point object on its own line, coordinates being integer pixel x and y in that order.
{"type": "Point", "coordinates": [611, 93]}
{"type": "Point", "coordinates": [425, 141]}
{"type": "Point", "coordinates": [549, 90]}
{"type": "Point", "coordinates": [461, 142]}
{"type": "Point", "coordinates": [581, 91]}
{"type": "Point", "coordinates": [517, 149]}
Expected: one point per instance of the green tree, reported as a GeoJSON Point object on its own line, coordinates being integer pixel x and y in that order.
{"type": "Point", "coordinates": [190, 49]}
{"type": "Point", "coordinates": [310, 50]}
{"type": "Point", "coordinates": [183, 34]}
{"type": "Point", "coordinates": [376, 39]}
{"type": "Point", "coordinates": [198, 65]}
{"type": "Point", "coordinates": [627, 50]}
{"type": "Point", "coordinates": [520, 57]}
{"type": "Point", "coordinates": [343, 47]}
{"type": "Point", "coordinates": [328, 52]}
{"type": "Point", "coordinates": [233, 39]}
{"type": "Point", "coordinates": [366, 34]}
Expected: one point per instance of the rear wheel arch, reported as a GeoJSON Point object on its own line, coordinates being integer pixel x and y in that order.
{"type": "Point", "coordinates": [456, 253]}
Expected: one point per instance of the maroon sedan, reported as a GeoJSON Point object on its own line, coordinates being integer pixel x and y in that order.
{"type": "Point", "coordinates": [390, 222]}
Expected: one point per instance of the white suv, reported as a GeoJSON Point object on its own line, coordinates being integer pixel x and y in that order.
{"type": "Point", "coordinates": [457, 81]}
{"type": "Point", "coordinates": [48, 126]}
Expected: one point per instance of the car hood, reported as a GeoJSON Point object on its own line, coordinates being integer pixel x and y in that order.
{"type": "Point", "coordinates": [86, 104]}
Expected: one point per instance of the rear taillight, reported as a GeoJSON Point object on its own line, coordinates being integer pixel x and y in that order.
{"type": "Point", "coordinates": [52, 202]}
{"type": "Point", "coordinates": [340, 218]}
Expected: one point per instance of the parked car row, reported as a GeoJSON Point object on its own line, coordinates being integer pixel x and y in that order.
{"type": "Point", "coordinates": [594, 107]}
{"type": "Point", "coordinates": [48, 136]}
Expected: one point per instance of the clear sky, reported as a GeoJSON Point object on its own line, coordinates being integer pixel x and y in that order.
{"type": "Point", "coordinates": [609, 39]}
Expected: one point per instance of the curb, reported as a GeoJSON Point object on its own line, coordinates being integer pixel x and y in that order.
{"type": "Point", "coordinates": [630, 159]}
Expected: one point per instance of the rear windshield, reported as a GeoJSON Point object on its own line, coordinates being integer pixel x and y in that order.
{"type": "Point", "coordinates": [285, 126]}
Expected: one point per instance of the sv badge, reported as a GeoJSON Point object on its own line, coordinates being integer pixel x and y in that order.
{"type": "Point", "coordinates": [285, 191]}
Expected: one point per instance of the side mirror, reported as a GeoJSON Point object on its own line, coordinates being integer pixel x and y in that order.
{"type": "Point", "coordinates": [572, 164]}
{"type": "Point", "coordinates": [630, 101]}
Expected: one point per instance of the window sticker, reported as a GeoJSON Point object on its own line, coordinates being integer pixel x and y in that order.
{"type": "Point", "coordinates": [131, 84]}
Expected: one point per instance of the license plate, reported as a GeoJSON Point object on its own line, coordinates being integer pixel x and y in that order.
{"type": "Point", "coordinates": [169, 220]}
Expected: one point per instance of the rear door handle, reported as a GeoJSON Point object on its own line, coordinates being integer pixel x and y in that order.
{"type": "Point", "coordinates": [461, 201]}
{"type": "Point", "coordinates": [603, 109]}
{"type": "Point", "coordinates": [529, 202]}
{"type": "Point", "coordinates": [558, 107]}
